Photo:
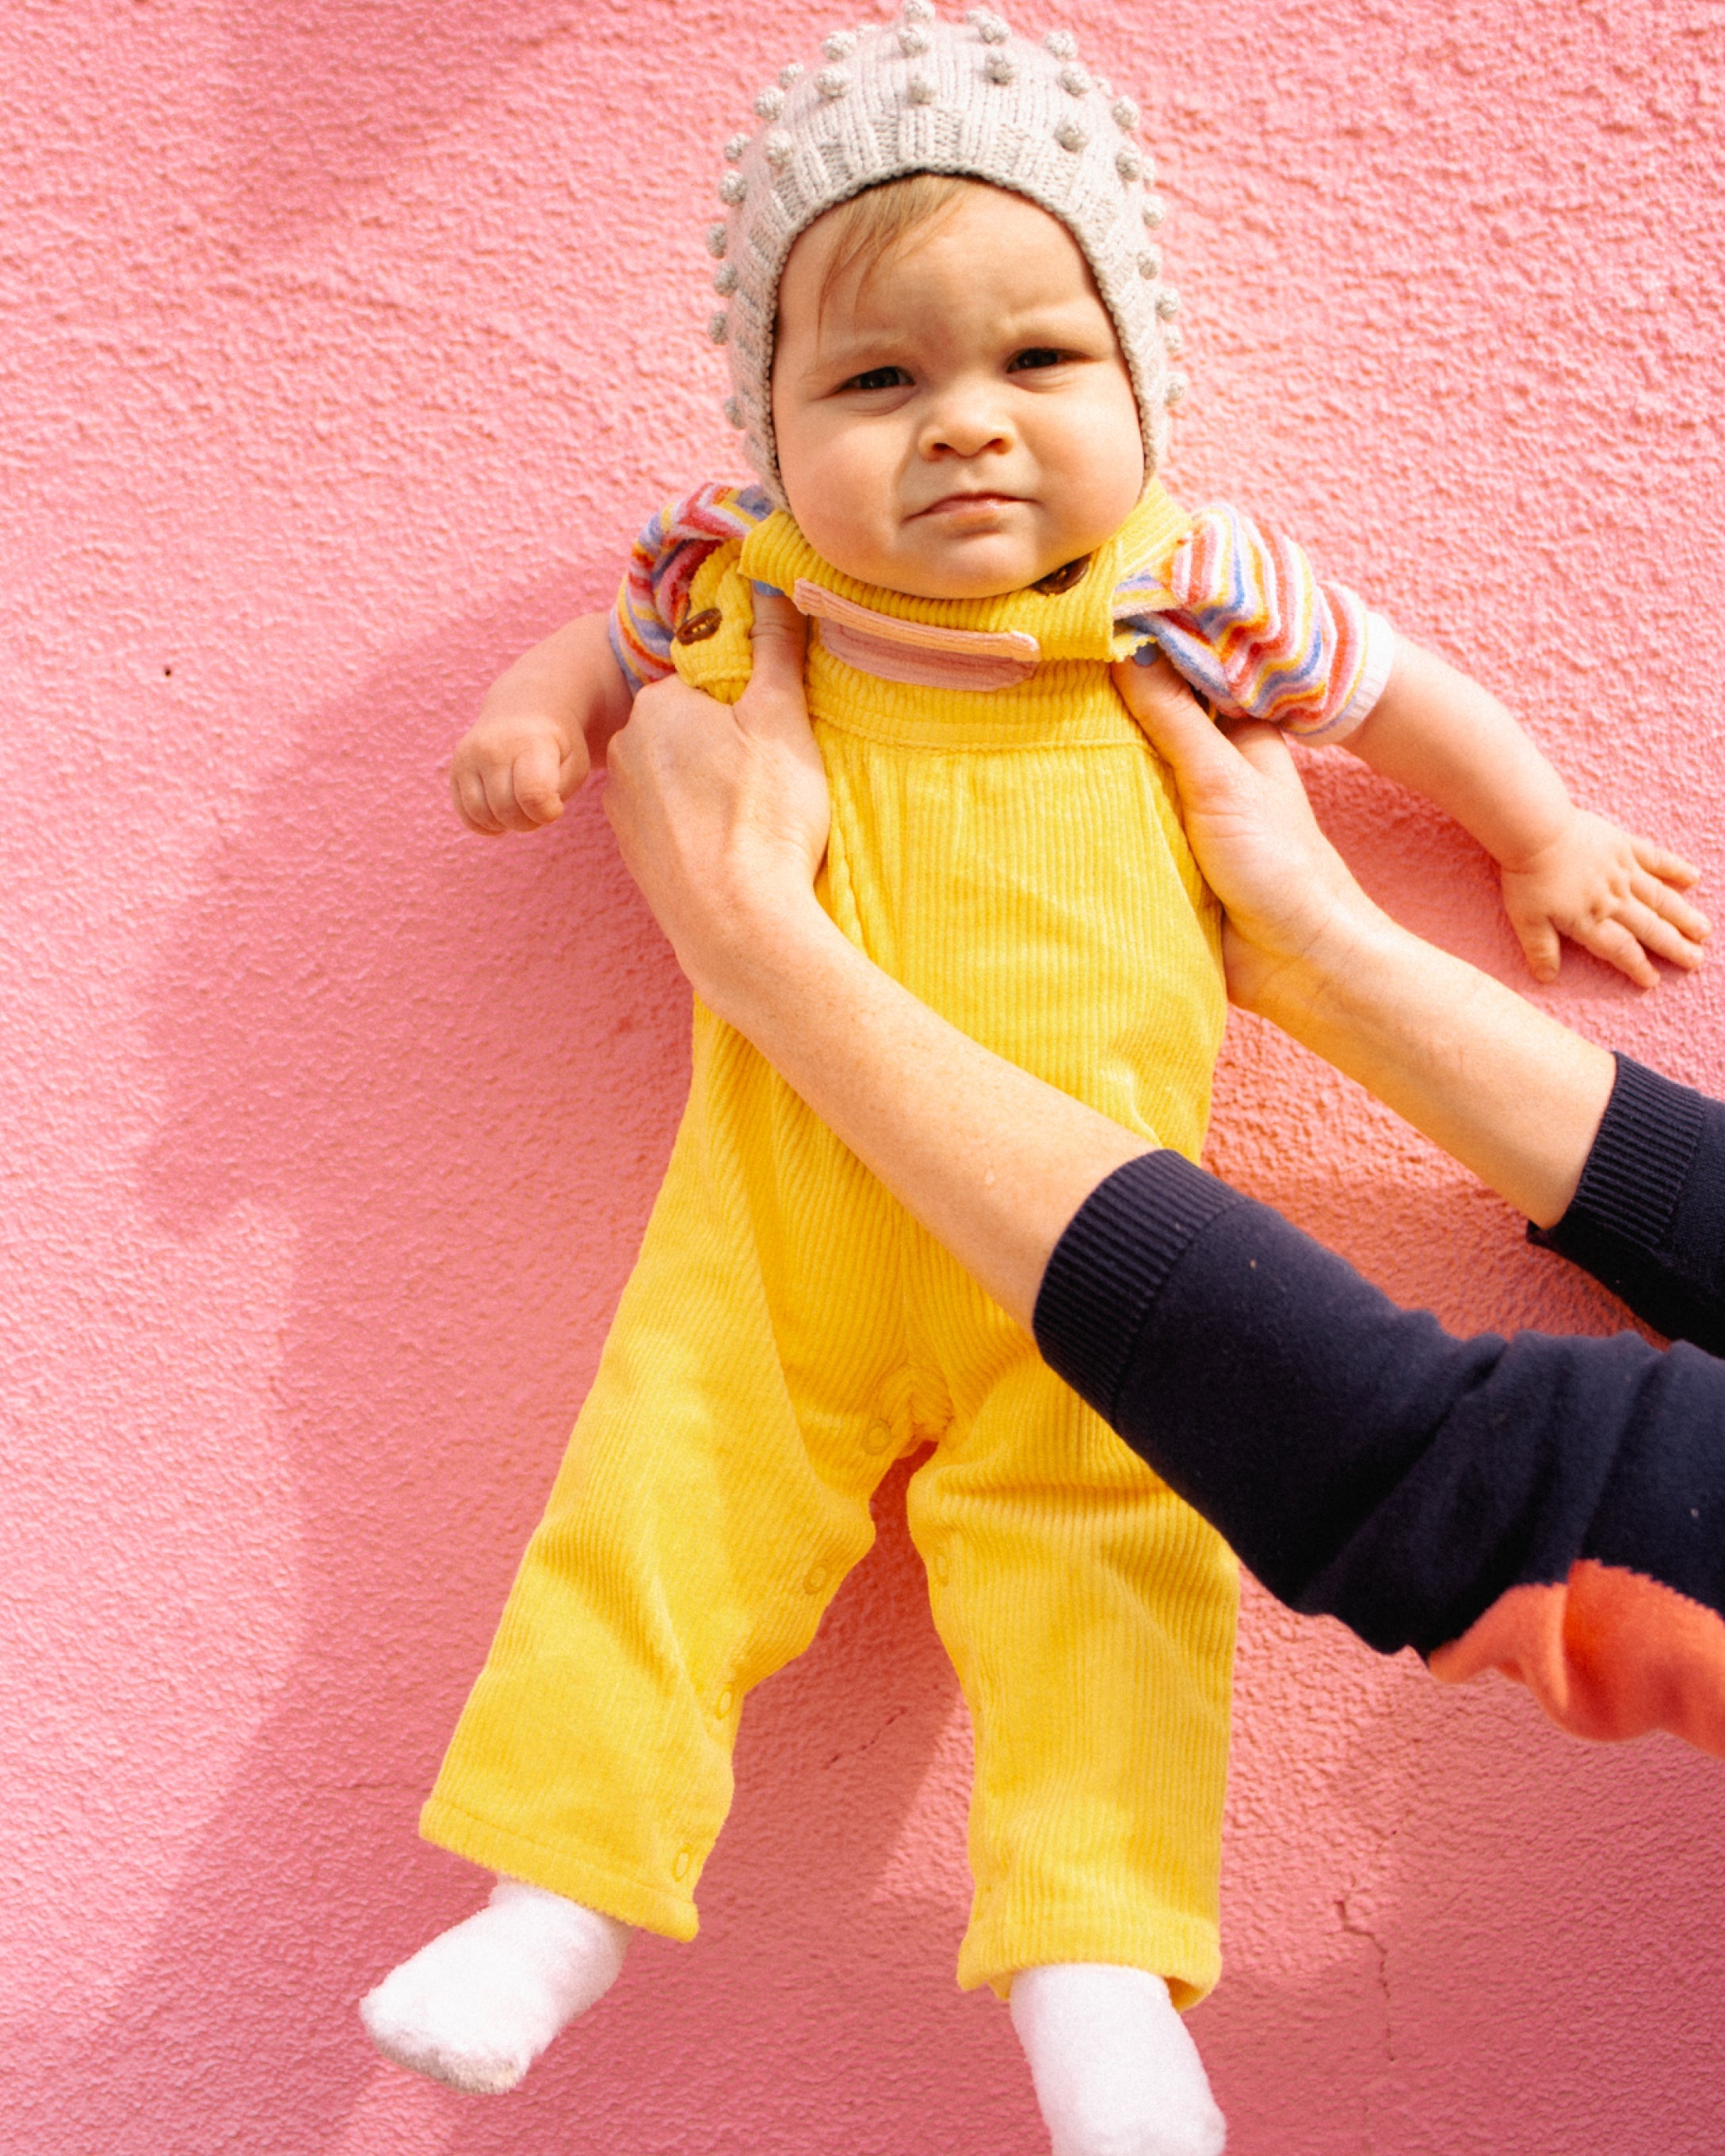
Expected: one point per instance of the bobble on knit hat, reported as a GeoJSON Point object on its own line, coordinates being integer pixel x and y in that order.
{"type": "Point", "coordinates": [923, 96]}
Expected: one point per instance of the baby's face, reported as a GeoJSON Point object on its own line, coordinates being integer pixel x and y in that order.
{"type": "Point", "coordinates": [957, 422]}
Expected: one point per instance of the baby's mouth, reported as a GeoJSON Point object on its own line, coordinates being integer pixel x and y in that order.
{"type": "Point", "coordinates": [965, 507]}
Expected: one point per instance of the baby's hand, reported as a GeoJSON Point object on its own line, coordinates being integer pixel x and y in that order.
{"type": "Point", "coordinates": [515, 771]}
{"type": "Point", "coordinates": [541, 727]}
{"type": "Point", "coordinates": [1617, 895]}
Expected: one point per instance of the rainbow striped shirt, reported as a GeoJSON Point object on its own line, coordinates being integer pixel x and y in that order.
{"type": "Point", "coordinates": [1250, 627]}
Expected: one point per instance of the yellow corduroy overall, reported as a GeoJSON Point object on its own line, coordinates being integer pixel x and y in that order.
{"type": "Point", "coordinates": [1014, 858]}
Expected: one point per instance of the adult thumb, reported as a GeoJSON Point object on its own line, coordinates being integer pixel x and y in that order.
{"type": "Point", "coordinates": [1175, 723]}
{"type": "Point", "coordinates": [1210, 764]}
{"type": "Point", "coordinates": [778, 640]}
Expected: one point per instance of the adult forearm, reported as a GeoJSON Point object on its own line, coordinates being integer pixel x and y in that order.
{"type": "Point", "coordinates": [1547, 1506]}
{"type": "Point", "coordinates": [993, 1162]}
{"type": "Point", "coordinates": [1510, 1093]}
{"type": "Point", "coordinates": [1506, 1089]}
{"type": "Point", "coordinates": [722, 814]}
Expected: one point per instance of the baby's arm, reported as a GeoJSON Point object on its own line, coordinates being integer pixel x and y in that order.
{"type": "Point", "coordinates": [545, 724]}
{"type": "Point", "coordinates": [542, 728]}
{"type": "Point", "coordinates": [1564, 871]}
{"type": "Point", "coordinates": [1260, 636]}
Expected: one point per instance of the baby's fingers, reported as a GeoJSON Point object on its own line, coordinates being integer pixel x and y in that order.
{"type": "Point", "coordinates": [1659, 860]}
{"type": "Point", "coordinates": [471, 805]}
{"type": "Point", "coordinates": [1540, 945]}
{"type": "Point", "coordinates": [1618, 945]}
{"type": "Point", "coordinates": [535, 779]}
{"type": "Point", "coordinates": [1653, 926]}
{"type": "Point", "coordinates": [1658, 896]}
{"type": "Point", "coordinates": [522, 794]}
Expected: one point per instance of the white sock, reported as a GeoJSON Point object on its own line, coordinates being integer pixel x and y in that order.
{"type": "Point", "coordinates": [478, 2005]}
{"type": "Point", "coordinates": [1115, 2073]}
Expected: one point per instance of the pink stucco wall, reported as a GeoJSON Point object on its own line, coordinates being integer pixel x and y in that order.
{"type": "Point", "coordinates": [342, 344]}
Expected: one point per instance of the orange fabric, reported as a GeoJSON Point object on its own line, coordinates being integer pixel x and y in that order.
{"type": "Point", "coordinates": [1609, 1653]}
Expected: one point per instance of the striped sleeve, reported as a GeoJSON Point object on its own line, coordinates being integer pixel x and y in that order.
{"type": "Point", "coordinates": [671, 547]}
{"type": "Point", "coordinates": [1256, 632]}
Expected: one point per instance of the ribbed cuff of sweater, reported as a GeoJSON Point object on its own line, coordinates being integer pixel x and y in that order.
{"type": "Point", "coordinates": [1109, 1267]}
{"type": "Point", "coordinates": [1638, 1169]}
{"type": "Point", "coordinates": [1649, 1217]}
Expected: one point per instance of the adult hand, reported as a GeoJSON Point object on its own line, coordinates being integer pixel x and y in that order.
{"type": "Point", "coordinates": [722, 810]}
{"type": "Point", "coordinates": [721, 814]}
{"type": "Point", "coordinates": [1290, 899]}
{"type": "Point", "coordinates": [1500, 1085]}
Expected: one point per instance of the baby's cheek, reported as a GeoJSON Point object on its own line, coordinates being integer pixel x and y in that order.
{"type": "Point", "coordinates": [1109, 478]}
{"type": "Point", "coordinates": [841, 500]}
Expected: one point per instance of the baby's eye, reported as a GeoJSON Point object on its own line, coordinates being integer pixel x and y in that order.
{"type": "Point", "coordinates": [1035, 355]}
{"type": "Point", "coordinates": [878, 377]}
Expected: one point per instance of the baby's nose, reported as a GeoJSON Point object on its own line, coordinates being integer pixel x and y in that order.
{"type": "Point", "coordinates": [967, 425]}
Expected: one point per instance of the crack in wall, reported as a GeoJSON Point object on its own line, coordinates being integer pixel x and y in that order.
{"type": "Point", "coordinates": [1355, 1926]}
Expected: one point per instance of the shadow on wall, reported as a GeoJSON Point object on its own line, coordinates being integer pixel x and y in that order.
{"type": "Point", "coordinates": [454, 1067]}
{"type": "Point", "coordinates": [1449, 1926]}
{"type": "Point", "coordinates": [453, 1070]}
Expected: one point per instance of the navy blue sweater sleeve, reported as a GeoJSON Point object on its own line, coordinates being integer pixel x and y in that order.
{"type": "Point", "coordinates": [1362, 1461]}
{"type": "Point", "coordinates": [1649, 1218]}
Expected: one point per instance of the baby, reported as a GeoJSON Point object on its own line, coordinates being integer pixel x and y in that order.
{"type": "Point", "coordinates": [950, 346]}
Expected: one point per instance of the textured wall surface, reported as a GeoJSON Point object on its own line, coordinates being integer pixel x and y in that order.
{"type": "Point", "coordinates": [342, 345]}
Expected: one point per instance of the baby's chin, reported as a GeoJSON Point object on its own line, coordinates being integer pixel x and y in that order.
{"type": "Point", "coordinates": [976, 569]}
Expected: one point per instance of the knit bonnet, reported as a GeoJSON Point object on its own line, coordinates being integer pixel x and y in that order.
{"type": "Point", "coordinates": [924, 95]}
